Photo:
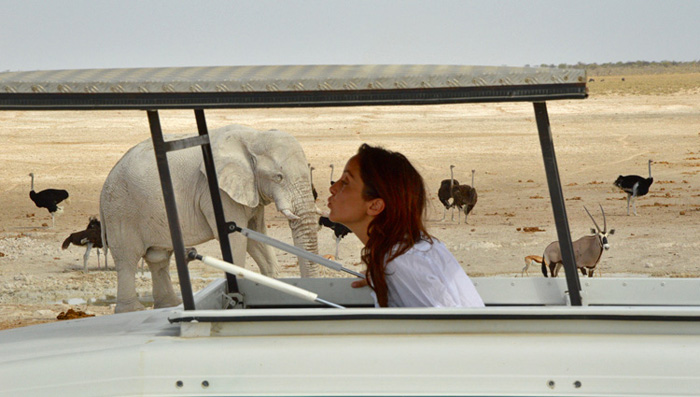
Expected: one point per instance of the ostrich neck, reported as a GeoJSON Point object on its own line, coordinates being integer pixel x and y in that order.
{"type": "Point", "coordinates": [472, 178]}
{"type": "Point", "coordinates": [650, 169]}
{"type": "Point", "coordinates": [452, 177]}
{"type": "Point", "coordinates": [32, 181]}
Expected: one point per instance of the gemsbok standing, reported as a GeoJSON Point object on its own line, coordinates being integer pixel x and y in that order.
{"type": "Point", "coordinates": [587, 250]}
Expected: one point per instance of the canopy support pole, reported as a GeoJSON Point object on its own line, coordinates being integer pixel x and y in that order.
{"type": "Point", "coordinates": [221, 227]}
{"type": "Point", "coordinates": [557, 198]}
{"type": "Point", "coordinates": [161, 150]}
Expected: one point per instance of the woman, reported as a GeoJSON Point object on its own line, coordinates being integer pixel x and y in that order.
{"type": "Point", "coordinates": [381, 198]}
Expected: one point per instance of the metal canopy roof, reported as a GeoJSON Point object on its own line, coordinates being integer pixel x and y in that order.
{"type": "Point", "coordinates": [284, 86]}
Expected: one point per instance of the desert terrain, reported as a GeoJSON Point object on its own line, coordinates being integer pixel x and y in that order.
{"type": "Point", "coordinates": [615, 131]}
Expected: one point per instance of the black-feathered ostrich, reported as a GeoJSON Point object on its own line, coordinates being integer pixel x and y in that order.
{"type": "Point", "coordinates": [465, 198]}
{"type": "Point", "coordinates": [635, 186]}
{"type": "Point", "coordinates": [339, 230]}
{"type": "Point", "coordinates": [49, 199]}
{"type": "Point", "coordinates": [445, 193]}
{"type": "Point", "coordinates": [88, 238]}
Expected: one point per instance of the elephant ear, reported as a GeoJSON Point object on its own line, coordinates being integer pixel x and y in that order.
{"type": "Point", "coordinates": [234, 169]}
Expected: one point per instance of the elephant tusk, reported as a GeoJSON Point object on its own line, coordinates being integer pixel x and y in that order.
{"type": "Point", "coordinates": [290, 215]}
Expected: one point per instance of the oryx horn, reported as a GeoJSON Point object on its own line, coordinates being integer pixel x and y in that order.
{"type": "Point", "coordinates": [605, 224]}
{"type": "Point", "coordinates": [594, 222]}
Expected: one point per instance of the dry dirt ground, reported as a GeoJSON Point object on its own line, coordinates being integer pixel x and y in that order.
{"type": "Point", "coordinates": [595, 139]}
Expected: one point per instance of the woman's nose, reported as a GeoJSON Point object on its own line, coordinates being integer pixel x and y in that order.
{"type": "Point", "coordinates": [333, 188]}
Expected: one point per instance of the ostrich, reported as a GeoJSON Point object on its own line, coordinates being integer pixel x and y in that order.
{"type": "Point", "coordinates": [49, 199]}
{"type": "Point", "coordinates": [465, 198]}
{"type": "Point", "coordinates": [339, 230]}
{"type": "Point", "coordinates": [445, 193]}
{"type": "Point", "coordinates": [332, 169]}
{"type": "Point", "coordinates": [311, 178]}
{"type": "Point", "coordinates": [90, 237]}
{"type": "Point", "coordinates": [635, 186]}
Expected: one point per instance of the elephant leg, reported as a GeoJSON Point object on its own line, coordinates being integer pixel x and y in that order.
{"type": "Point", "coordinates": [158, 261]}
{"type": "Point", "coordinates": [126, 254]}
{"type": "Point", "coordinates": [263, 255]}
{"type": "Point", "coordinates": [127, 300]}
{"type": "Point", "coordinates": [233, 212]}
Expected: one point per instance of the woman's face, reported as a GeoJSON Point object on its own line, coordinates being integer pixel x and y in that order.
{"type": "Point", "coordinates": [346, 202]}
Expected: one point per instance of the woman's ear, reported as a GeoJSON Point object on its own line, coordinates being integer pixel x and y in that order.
{"type": "Point", "coordinates": [376, 207]}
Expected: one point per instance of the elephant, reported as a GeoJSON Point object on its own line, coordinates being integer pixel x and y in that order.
{"type": "Point", "coordinates": [254, 168]}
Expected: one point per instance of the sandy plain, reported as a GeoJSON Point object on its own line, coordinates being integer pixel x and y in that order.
{"type": "Point", "coordinates": [595, 139]}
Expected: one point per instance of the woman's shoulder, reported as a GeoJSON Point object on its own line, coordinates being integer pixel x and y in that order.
{"type": "Point", "coordinates": [423, 251]}
{"type": "Point", "coordinates": [426, 245]}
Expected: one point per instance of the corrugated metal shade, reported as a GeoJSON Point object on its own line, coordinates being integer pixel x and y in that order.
{"type": "Point", "coordinates": [253, 86]}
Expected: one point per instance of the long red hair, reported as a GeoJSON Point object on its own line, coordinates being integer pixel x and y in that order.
{"type": "Point", "coordinates": [390, 176]}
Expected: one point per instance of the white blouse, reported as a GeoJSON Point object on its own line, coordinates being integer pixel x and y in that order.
{"type": "Point", "coordinates": [428, 275]}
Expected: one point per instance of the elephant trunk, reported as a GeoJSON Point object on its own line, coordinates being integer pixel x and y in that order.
{"type": "Point", "coordinates": [305, 229]}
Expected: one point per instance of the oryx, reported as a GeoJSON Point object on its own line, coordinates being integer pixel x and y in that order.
{"type": "Point", "coordinates": [587, 250]}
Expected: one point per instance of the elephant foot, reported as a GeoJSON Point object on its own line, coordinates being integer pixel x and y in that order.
{"type": "Point", "coordinates": [169, 302]}
{"type": "Point", "coordinates": [125, 307]}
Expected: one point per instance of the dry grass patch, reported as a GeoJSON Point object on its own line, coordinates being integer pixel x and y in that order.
{"type": "Point", "coordinates": [651, 84]}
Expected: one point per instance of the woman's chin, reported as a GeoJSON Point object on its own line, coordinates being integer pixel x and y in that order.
{"type": "Point", "coordinates": [333, 218]}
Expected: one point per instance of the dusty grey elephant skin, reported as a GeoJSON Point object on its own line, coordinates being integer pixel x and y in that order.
{"type": "Point", "coordinates": [254, 168]}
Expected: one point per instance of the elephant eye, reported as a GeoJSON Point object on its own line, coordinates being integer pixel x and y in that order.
{"type": "Point", "coordinates": [278, 178]}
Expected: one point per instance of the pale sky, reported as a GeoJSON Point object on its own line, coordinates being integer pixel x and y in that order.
{"type": "Point", "coordinates": [77, 34]}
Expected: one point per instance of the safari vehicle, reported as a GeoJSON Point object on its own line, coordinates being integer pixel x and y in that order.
{"type": "Point", "coordinates": [535, 337]}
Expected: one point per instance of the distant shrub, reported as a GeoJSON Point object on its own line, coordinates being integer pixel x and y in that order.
{"type": "Point", "coordinates": [636, 68]}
